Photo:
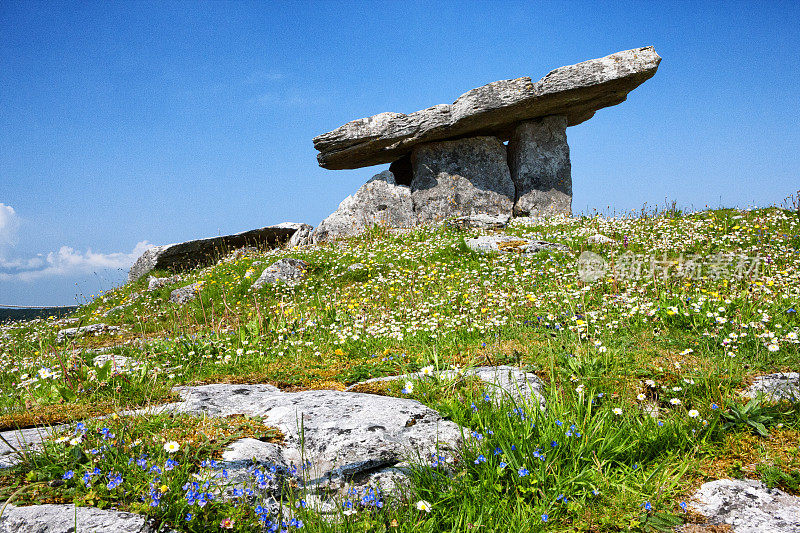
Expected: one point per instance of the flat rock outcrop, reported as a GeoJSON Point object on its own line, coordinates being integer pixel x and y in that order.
{"type": "Point", "coordinates": [460, 178]}
{"type": "Point", "coordinates": [185, 294]}
{"type": "Point", "coordinates": [776, 387]}
{"type": "Point", "coordinates": [380, 201]}
{"type": "Point", "coordinates": [91, 329]}
{"type": "Point", "coordinates": [51, 518]}
{"type": "Point", "coordinates": [344, 434]}
{"type": "Point", "coordinates": [746, 505]}
{"type": "Point", "coordinates": [203, 252]}
{"type": "Point", "coordinates": [501, 381]}
{"type": "Point", "coordinates": [508, 243]}
{"type": "Point", "coordinates": [575, 91]}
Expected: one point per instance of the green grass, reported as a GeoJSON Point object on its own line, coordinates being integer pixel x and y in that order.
{"type": "Point", "coordinates": [684, 346]}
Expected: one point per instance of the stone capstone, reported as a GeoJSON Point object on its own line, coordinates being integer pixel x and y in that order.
{"type": "Point", "coordinates": [461, 178]}
{"type": "Point", "coordinates": [538, 157]}
{"type": "Point", "coordinates": [202, 252]}
{"type": "Point", "coordinates": [748, 506]}
{"type": "Point", "coordinates": [68, 518]}
{"type": "Point", "coordinates": [379, 201]}
{"type": "Point", "coordinates": [185, 294]}
{"type": "Point", "coordinates": [575, 91]}
{"type": "Point", "coordinates": [509, 243]}
{"type": "Point", "coordinates": [287, 270]}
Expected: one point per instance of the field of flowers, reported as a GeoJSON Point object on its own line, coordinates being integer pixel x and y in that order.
{"type": "Point", "coordinates": [644, 363]}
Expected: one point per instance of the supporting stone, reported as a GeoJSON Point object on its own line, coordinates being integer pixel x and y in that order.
{"type": "Point", "coordinates": [461, 177]}
{"type": "Point", "coordinates": [538, 157]}
{"type": "Point", "coordinates": [379, 201]}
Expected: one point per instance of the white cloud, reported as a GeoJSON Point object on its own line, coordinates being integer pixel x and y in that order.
{"type": "Point", "coordinates": [9, 223]}
{"type": "Point", "coordinates": [66, 262]}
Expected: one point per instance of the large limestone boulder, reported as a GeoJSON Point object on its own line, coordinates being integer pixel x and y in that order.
{"type": "Point", "coordinates": [287, 270]}
{"type": "Point", "coordinates": [575, 91]}
{"type": "Point", "coordinates": [341, 434]}
{"type": "Point", "coordinates": [202, 252]}
{"type": "Point", "coordinates": [538, 157]}
{"type": "Point", "coordinates": [379, 201]}
{"type": "Point", "coordinates": [459, 178]}
{"type": "Point", "coordinates": [747, 505]}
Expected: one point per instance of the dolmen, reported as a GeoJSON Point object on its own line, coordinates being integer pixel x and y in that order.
{"type": "Point", "coordinates": [499, 150]}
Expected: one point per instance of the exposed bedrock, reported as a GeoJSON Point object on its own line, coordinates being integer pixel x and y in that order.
{"type": "Point", "coordinates": [461, 177]}
{"type": "Point", "coordinates": [538, 157]}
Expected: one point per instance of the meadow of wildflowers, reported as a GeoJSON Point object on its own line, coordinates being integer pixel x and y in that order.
{"type": "Point", "coordinates": [643, 376]}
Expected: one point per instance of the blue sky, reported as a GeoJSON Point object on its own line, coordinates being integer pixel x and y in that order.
{"type": "Point", "coordinates": [128, 123]}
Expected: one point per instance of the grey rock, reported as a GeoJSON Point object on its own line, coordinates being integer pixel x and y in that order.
{"type": "Point", "coordinates": [18, 440]}
{"type": "Point", "coordinates": [600, 239]}
{"type": "Point", "coordinates": [502, 381]}
{"type": "Point", "coordinates": [508, 243]}
{"type": "Point", "coordinates": [185, 294]}
{"type": "Point", "coordinates": [776, 387]}
{"type": "Point", "coordinates": [203, 252]}
{"type": "Point", "coordinates": [287, 270]}
{"type": "Point", "coordinates": [464, 177]}
{"type": "Point", "coordinates": [114, 310]}
{"type": "Point", "coordinates": [68, 518]}
{"type": "Point", "coordinates": [119, 363]}
{"type": "Point", "coordinates": [154, 283]}
{"type": "Point", "coordinates": [379, 201]}
{"type": "Point", "coordinates": [480, 221]}
{"type": "Point", "coordinates": [538, 156]}
{"type": "Point", "coordinates": [344, 434]}
{"type": "Point", "coordinates": [575, 91]}
{"type": "Point", "coordinates": [302, 236]}
{"type": "Point", "coordinates": [91, 329]}
{"type": "Point", "coordinates": [748, 506]}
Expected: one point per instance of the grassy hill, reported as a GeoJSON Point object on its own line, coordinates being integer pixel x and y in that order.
{"type": "Point", "coordinates": [643, 366]}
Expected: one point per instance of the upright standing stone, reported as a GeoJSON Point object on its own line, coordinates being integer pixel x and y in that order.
{"type": "Point", "coordinates": [538, 156]}
{"type": "Point", "coordinates": [461, 177]}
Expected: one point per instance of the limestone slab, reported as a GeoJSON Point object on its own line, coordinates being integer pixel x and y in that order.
{"type": "Point", "coordinates": [575, 91]}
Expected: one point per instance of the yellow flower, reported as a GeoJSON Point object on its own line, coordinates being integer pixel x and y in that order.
{"type": "Point", "coordinates": [338, 351]}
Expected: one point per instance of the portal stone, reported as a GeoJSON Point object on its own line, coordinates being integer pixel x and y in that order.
{"type": "Point", "coordinates": [538, 156]}
{"type": "Point", "coordinates": [461, 177]}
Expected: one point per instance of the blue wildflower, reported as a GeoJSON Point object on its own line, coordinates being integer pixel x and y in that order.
{"type": "Point", "coordinates": [647, 506]}
{"type": "Point", "coordinates": [69, 474]}
{"type": "Point", "coordinates": [522, 472]}
{"type": "Point", "coordinates": [545, 517]}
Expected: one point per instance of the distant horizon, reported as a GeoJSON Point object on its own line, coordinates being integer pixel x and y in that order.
{"type": "Point", "coordinates": [134, 124]}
